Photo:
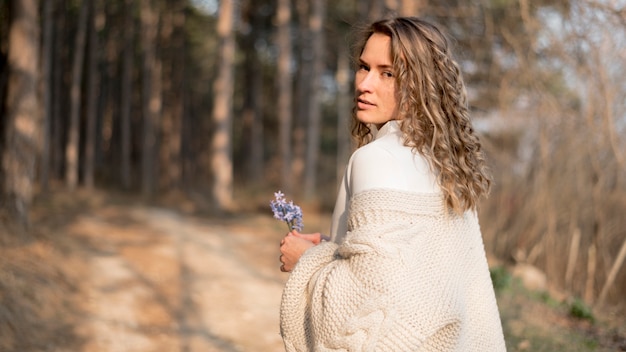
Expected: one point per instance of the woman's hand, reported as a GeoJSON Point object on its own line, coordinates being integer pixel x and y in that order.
{"type": "Point", "coordinates": [316, 238]}
{"type": "Point", "coordinates": [293, 245]}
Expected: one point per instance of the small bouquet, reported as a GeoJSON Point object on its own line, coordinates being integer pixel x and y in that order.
{"type": "Point", "coordinates": [287, 212]}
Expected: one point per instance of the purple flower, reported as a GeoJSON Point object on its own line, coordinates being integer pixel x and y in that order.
{"type": "Point", "coordinates": [287, 211]}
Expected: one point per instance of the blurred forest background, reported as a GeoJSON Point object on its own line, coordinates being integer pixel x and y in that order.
{"type": "Point", "coordinates": [225, 102]}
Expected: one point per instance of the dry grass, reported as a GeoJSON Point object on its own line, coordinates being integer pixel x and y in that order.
{"type": "Point", "coordinates": [38, 290]}
{"type": "Point", "coordinates": [537, 322]}
{"type": "Point", "coordinates": [42, 296]}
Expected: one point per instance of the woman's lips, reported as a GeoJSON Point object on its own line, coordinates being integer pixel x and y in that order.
{"type": "Point", "coordinates": [364, 104]}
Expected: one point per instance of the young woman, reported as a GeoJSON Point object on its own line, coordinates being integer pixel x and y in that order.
{"type": "Point", "coordinates": [405, 267]}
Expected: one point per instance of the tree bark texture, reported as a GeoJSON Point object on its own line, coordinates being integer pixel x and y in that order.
{"type": "Point", "coordinates": [253, 143]}
{"type": "Point", "coordinates": [73, 142]}
{"type": "Point", "coordinates": [221, 147]}
{"type": "Point", "coordinates": [284, 76]}
{"type": "Point", "coordinates": [344, 98]}
{"type": "Point", "coordinates": [151, 97]}
{"type": "Point", "coordinates": [173, 39]}
{"type": "Point", "coordinates": [126, 95]}
{"type": "Point", "coordinates": [302, 100]}
{"type": "Point", "coordinates": [46, 90]}
{"type": "Point", "coordinates": [23, 121]}
{"type": "Point", "coordinates": [316, 21]}
{"type": "Point", "coordinates": [93, 80]}
{"type": "Point", "coordinates": [59, 92]}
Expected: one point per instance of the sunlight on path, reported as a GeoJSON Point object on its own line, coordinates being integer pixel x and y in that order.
{"type": "Point", "coordinates": [167, 282]}
{"type": "Point", "coordinates": [227, 303]}
{"type": "Point", "coordinates": [113, 311]}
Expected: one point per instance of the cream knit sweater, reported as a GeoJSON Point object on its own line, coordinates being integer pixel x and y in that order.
{"type": "Point", "coordinates": [407, 275]}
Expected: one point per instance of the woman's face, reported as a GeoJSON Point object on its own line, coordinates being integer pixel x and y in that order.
{"type": "Point", "coordinates": [374, 82]}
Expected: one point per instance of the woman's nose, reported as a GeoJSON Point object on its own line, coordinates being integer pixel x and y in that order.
{"type": "Point", "coordinates": [364, 83]}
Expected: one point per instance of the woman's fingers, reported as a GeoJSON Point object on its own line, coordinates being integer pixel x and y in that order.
{"type": "Point", "coordinates": [316, 238]}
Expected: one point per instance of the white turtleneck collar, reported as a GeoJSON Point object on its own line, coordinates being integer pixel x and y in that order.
{"type": "Point", "coordinates": [390, 127]}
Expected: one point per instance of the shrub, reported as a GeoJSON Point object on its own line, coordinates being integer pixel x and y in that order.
{"type": "Point", "coordinates": [579, 309]}
{"type": "Point", "coordinates": [500, 277]}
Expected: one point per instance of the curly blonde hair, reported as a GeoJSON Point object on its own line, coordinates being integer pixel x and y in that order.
{"type": "Point", "coordinates": [432, 109]}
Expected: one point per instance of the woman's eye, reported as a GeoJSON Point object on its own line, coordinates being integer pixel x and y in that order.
{"type": "Point", "coordinates": [388, 74]}
{"type": "Point", "coordinates": [364, 67]}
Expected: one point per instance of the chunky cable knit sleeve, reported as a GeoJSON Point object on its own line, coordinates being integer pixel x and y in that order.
{"type": "Point", "coordinates": [409, 277]}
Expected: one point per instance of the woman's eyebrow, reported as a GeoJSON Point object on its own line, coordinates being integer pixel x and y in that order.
{"type": "Point", "coordinates": [382, 67]}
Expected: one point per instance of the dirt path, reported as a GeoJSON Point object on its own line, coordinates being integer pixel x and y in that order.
{"type": "Point", "coordinates": [161, 281]}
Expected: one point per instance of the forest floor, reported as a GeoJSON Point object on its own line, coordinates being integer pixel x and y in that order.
{"type": "Point", "coordinates": [103, 272]}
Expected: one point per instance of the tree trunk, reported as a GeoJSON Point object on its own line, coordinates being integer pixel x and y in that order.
{"type": "Point", "coordinates": [253, 110]}
{"type": "Point", "coordinates": [59, 92]}
{"type": "Point", "coordinates": [617, 264]}
{"type": "Point", "coordinates": [23, 122]}
{"type": "Point", "coordinates": [126, 91]}
{"type": "Point", "coordinates": [179, 64]}
{"type": "Point", "coordinates": [371, 10]}
{"type": "Point", "coordinates": [173, 66]}
{"type": "Point", "coordinates": [221, 148]}
{"type": "Point", "coordinates": [92, 97]}
{"type": "Point", "coordinates": [71, 148]}
{"type": "Point", "coordinates": [256, 164]}
{"type": "Point", "coordinates": [344, 98]}
{"type": "Point", "coordinates": [283, 19]}
{"type": "Point", "coordinates": [404, 7]}
{"type": "Point", "coordinates": [152, 97]}
{"type": "Point", "coordinates": [46, 58]}
{"type": "Point", "coordinates": [302, 101]}
{"type": "Point", "coordinates": [411, 7]}
{"type": "Point", "coordinates": [316, 21]}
